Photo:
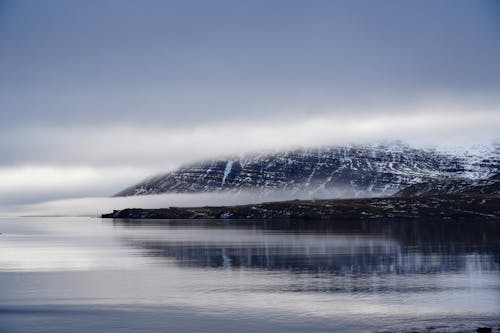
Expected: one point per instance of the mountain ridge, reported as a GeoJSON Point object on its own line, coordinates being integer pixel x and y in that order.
{"type": "Point", "coordinates": [329, 171]}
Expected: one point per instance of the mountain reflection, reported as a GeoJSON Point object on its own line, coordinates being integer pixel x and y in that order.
{"type": "Point", "coordinates": [405, 247]}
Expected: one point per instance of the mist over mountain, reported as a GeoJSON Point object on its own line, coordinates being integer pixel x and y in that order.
{"type": "Point", "coordinates": [326, 172]}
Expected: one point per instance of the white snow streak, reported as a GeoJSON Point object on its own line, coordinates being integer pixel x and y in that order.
{"type": "Point", "coordinates": [227, 171]}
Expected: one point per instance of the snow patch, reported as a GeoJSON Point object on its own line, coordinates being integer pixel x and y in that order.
{"type": "Point", "coordinates": [227, 171]}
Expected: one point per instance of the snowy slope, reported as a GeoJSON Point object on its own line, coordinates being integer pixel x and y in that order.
{"type": "Point", "coordinates": [354, 170]}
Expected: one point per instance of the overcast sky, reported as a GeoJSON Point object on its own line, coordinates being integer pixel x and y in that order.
{"type": "Point", "coordinates": [96, 95]}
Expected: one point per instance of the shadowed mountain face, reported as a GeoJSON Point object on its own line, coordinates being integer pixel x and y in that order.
{"type": "Point", "coordinates": [349, 171]}
{"type": "Point", "coordinates": [489, 186]}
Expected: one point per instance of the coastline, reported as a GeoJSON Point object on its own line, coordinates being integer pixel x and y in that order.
{"type": "Point", "coordinates": [433, 206]}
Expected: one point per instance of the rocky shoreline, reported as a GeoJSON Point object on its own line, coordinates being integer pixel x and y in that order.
{"type": "Point", "coordinates": [450, 206]}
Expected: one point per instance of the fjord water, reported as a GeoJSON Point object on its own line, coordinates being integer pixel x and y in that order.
{"type": "Point", "coordinates": [64, 274]}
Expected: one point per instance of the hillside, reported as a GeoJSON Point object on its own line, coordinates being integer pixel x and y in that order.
{"type": "Point", "coordinates": [327, 172]}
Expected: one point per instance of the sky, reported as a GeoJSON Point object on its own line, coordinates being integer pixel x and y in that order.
{"type": "Point", "coordinates": [97, 95]}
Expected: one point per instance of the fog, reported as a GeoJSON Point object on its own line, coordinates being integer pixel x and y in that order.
{"type": "Point", "coordinates": [48, 163]}
{"type": "Point", "coordinates": [160, 148]}
{"type": "Point", "coordinates": [95, 206]}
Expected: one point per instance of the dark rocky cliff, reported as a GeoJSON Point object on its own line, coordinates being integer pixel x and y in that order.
{"type": "Point", "coordinates": [489, 186]}
{"type": "Point", "coordinates": [349, 171]}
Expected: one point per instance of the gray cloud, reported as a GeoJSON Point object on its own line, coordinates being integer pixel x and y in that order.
{"type": "Point", "coordinates": [116, 145]}
{"type": "Point", "coordinates": [183, 63]}
{"type": "Point", "coordinates": [105, 92]}
{"type": "Point", "coordinates": [79, 161]}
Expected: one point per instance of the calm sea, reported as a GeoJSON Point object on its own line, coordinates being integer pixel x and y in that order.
{"type": "Point", "coordinates": [65, 274]}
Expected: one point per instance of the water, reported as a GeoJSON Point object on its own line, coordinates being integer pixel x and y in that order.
{"type": "Point", "coordinates": [91, 275]}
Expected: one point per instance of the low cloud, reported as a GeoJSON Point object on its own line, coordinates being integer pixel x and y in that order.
{"type": "Point", "coordinates": [48, 163]}
{"type": "Point", "coordinates": [160, 148]}
{"type": "Point", "coordinates": [95, 206]}
{"type": "Point", "coordinates": [28, 184]}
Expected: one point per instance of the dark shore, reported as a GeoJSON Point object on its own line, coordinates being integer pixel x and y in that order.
{"type": "Point", "coordinates": [433, 206]}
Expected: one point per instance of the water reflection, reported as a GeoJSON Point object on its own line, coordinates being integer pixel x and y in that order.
{"type": "Point", "coordinates": [93, 275]}
{"type": "Point", "coordinates": [325, 247]}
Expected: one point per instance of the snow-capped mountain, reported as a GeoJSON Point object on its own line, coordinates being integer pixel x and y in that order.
{"type": "Point", "coordinates": [349, 171]}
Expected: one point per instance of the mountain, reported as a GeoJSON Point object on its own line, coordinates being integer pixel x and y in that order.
{"type": "Point", "coordinates": [489, 186]}
{"type": "Point", "coordinates": [335, 171]}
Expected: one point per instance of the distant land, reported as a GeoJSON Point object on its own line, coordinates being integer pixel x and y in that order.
{"type": "Point", "coordinates": [351, 171]}
{"type": "Point", "coordinates": [431, 207]}
{"type": "Point", "coordinates": [437, 200]}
